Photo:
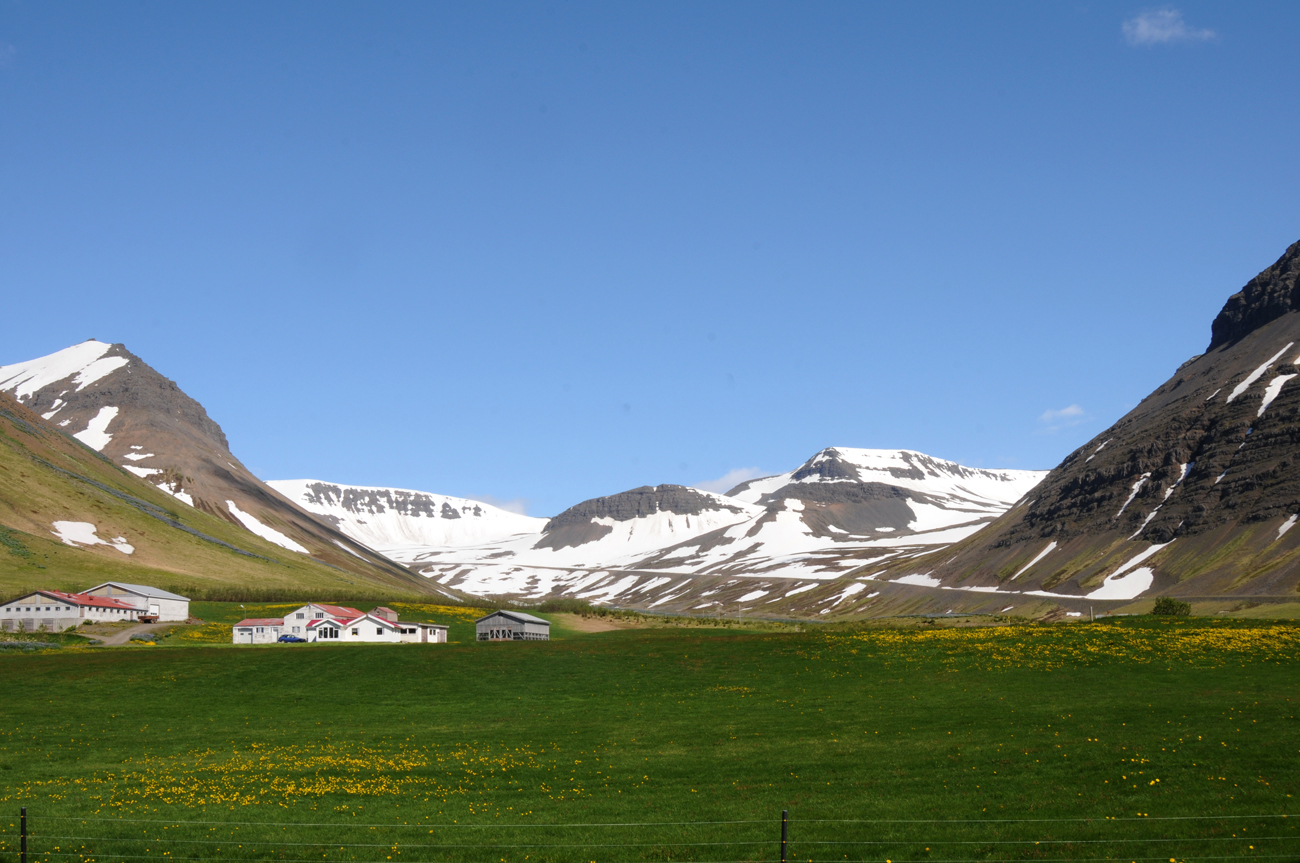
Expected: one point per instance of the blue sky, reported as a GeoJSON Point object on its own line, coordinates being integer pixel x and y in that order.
{"type": "Point", "coordinates": [543, 252]}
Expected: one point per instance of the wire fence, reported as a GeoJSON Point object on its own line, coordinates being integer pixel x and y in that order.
{"type": "Point", "coordinates": [1137, 839]}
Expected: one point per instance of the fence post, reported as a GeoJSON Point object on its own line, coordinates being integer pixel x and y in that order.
{"type": "Point", "coordinates": [785, 820]}
{"type": "Point", "coordinates": [22, 835]}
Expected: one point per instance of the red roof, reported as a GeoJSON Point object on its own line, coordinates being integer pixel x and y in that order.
{"type": "Point", "coordinates": [340, 611]}
{"type": "Point", "coordinates": [348, 621]}
{"type": "Point", "coordinates": [262, 621]}
{"type": "Point", "coordinates": [83, 599]}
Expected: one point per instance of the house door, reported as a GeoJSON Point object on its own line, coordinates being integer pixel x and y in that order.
{"type": "Point", "coordinates": [154, 609]}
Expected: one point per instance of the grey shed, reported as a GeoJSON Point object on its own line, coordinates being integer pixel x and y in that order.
{"type": "Point", "coordinates": [512, 626]}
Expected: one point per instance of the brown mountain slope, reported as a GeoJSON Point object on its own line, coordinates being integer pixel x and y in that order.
{"type": "Point", "coordinates": [1203, 477]}
{"type": "Point", "coordinates": [117, 404]}
{"type": "Point", "coordinates": [70, 518]}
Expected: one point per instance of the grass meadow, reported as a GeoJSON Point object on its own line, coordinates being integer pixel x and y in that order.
{"type": "Point", "coordinates": [1133, 739]}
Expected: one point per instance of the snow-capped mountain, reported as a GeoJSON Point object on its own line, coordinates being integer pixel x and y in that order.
{"type": "Point", "coordinates": [872, 491]}
{"type": "Point", "coordinates": [116, 404]}
{"type": "Point", "coordinates": [389, 519]}
{"type": "Point", "coordinates": [663, 546]}
{"type": "Point", "coordinates": [1193, 492]}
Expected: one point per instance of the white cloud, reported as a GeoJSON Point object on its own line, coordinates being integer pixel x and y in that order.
{"type": "Point", "coordinates": [729, 480]}
{"type": "Point", "coordinates": [1053, 420]}
{"type": "Point", "coordinates": [518, 505]}
{"type": "Point", "coordinates": [1071, 412]}
{"type": "Point", "coordinates": [1162, 26]}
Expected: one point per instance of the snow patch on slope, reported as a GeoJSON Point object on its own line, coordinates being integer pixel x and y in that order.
{"type": "Point", "coordinates": [1127, 582]}
{"type": "Point", "coordinates": [95, 434]}
{"type": "Point", "coordinates": [1042, 554]}
{"type": "Point", "coordinates": [1272, 391]}
{"type": "Point", "coordinates": [269, 534]}
{"type": "Point", "coordinates": [1256, 374]}
{"type": "Point", "coordinates": [77, 533]}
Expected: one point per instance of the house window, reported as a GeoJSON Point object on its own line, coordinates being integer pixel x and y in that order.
{"type": "Point", "coordinates": [296, 628]}
{"type": "Point", "coordinates": [320, 615]}
{"type": "Point", "coordinates": [299, 616]}
{"type": "Point", "coordinates": [356, 632]}
{"type": "Point", "coordinates": [379, 630]}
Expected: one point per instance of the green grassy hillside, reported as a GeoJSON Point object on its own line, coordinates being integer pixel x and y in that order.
{"type": "Point", "coordinates": [47, 476]}
{"type": "Point", "coordinates": [1133, 740]}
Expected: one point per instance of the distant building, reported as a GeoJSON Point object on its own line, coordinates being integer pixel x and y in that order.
{"type": "Point", "coordinates": [338, 623]}
{"type": "Point", "coordinates": [153, 603]}
{"type": "Point", "coordinates": [55, 611]}
{"type": "Point", "coordinates": [372, 629]}
{"type": "Point", "coordinates": [258, 630]}
{"type": "Point", "coordinates": [512, 626]}
{"type": "Point", "coordinates": [296, 621]}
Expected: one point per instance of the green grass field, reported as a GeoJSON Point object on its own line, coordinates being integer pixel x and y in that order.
{"type": "Point", "coordinates": [1139, 739]}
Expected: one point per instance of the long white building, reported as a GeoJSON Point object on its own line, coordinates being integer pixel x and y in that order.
{"type": "Point", "coordinates": [55, 611]}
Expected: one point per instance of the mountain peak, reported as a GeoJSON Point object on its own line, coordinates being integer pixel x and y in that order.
{"type": "Point", "coordinates": [1265, 298]}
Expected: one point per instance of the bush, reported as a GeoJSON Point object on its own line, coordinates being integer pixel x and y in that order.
{"type": "Point", "coordinates": [1169, 605]}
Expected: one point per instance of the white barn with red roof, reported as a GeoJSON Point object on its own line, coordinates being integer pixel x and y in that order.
{"type": "Point", "coordinates": [55, 610]}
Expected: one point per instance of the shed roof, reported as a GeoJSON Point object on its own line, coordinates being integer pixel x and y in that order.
{"type": "Point", "coordinates": [517, 616]}
{"type": "Point", "coordinates": [262, 621]}
{"type": "Point", "coordinates": [142, 589]}
{"type": "Point", "coordinates": [89, 601]}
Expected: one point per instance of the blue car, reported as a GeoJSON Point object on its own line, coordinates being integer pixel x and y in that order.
{"type": "Point", "coordinates": [291, 639]}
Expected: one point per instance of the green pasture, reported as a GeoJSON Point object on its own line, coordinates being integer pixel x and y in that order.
{"type": "Point", "coordinates": [1136, 739]}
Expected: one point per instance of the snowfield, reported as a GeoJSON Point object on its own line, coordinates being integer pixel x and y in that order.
{"type": "Point", "coordinates": [388, 519]}
{"type": "Point", "coordinates": [81, 365]}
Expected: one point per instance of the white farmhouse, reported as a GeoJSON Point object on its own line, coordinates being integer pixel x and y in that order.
{"type": "Point", "coordinates": [374, 629]}
{"type": "Point", "coordinates": [55, 610]}
{"type": "Point", "coordinates": [296, 621]}
{"type": "Point", "coordinates": [160, 605]}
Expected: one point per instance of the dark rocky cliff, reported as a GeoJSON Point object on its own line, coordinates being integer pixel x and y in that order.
{"type": "Point", "coordinates": [1209, 462]}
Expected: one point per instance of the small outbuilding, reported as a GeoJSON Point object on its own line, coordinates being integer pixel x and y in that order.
{"type": "Point", "coordinates": [512, 626]}
{"type": "Point", "coordinates": [258, 630]}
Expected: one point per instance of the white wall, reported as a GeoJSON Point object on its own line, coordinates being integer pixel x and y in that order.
{"type": "Point", "coordinates": [255, 634]}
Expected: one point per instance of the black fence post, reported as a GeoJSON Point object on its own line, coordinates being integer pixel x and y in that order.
{"type": "Point", "coordinates": [22, 835]}
{"type": "Point", "coordinates": [785, 821]}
